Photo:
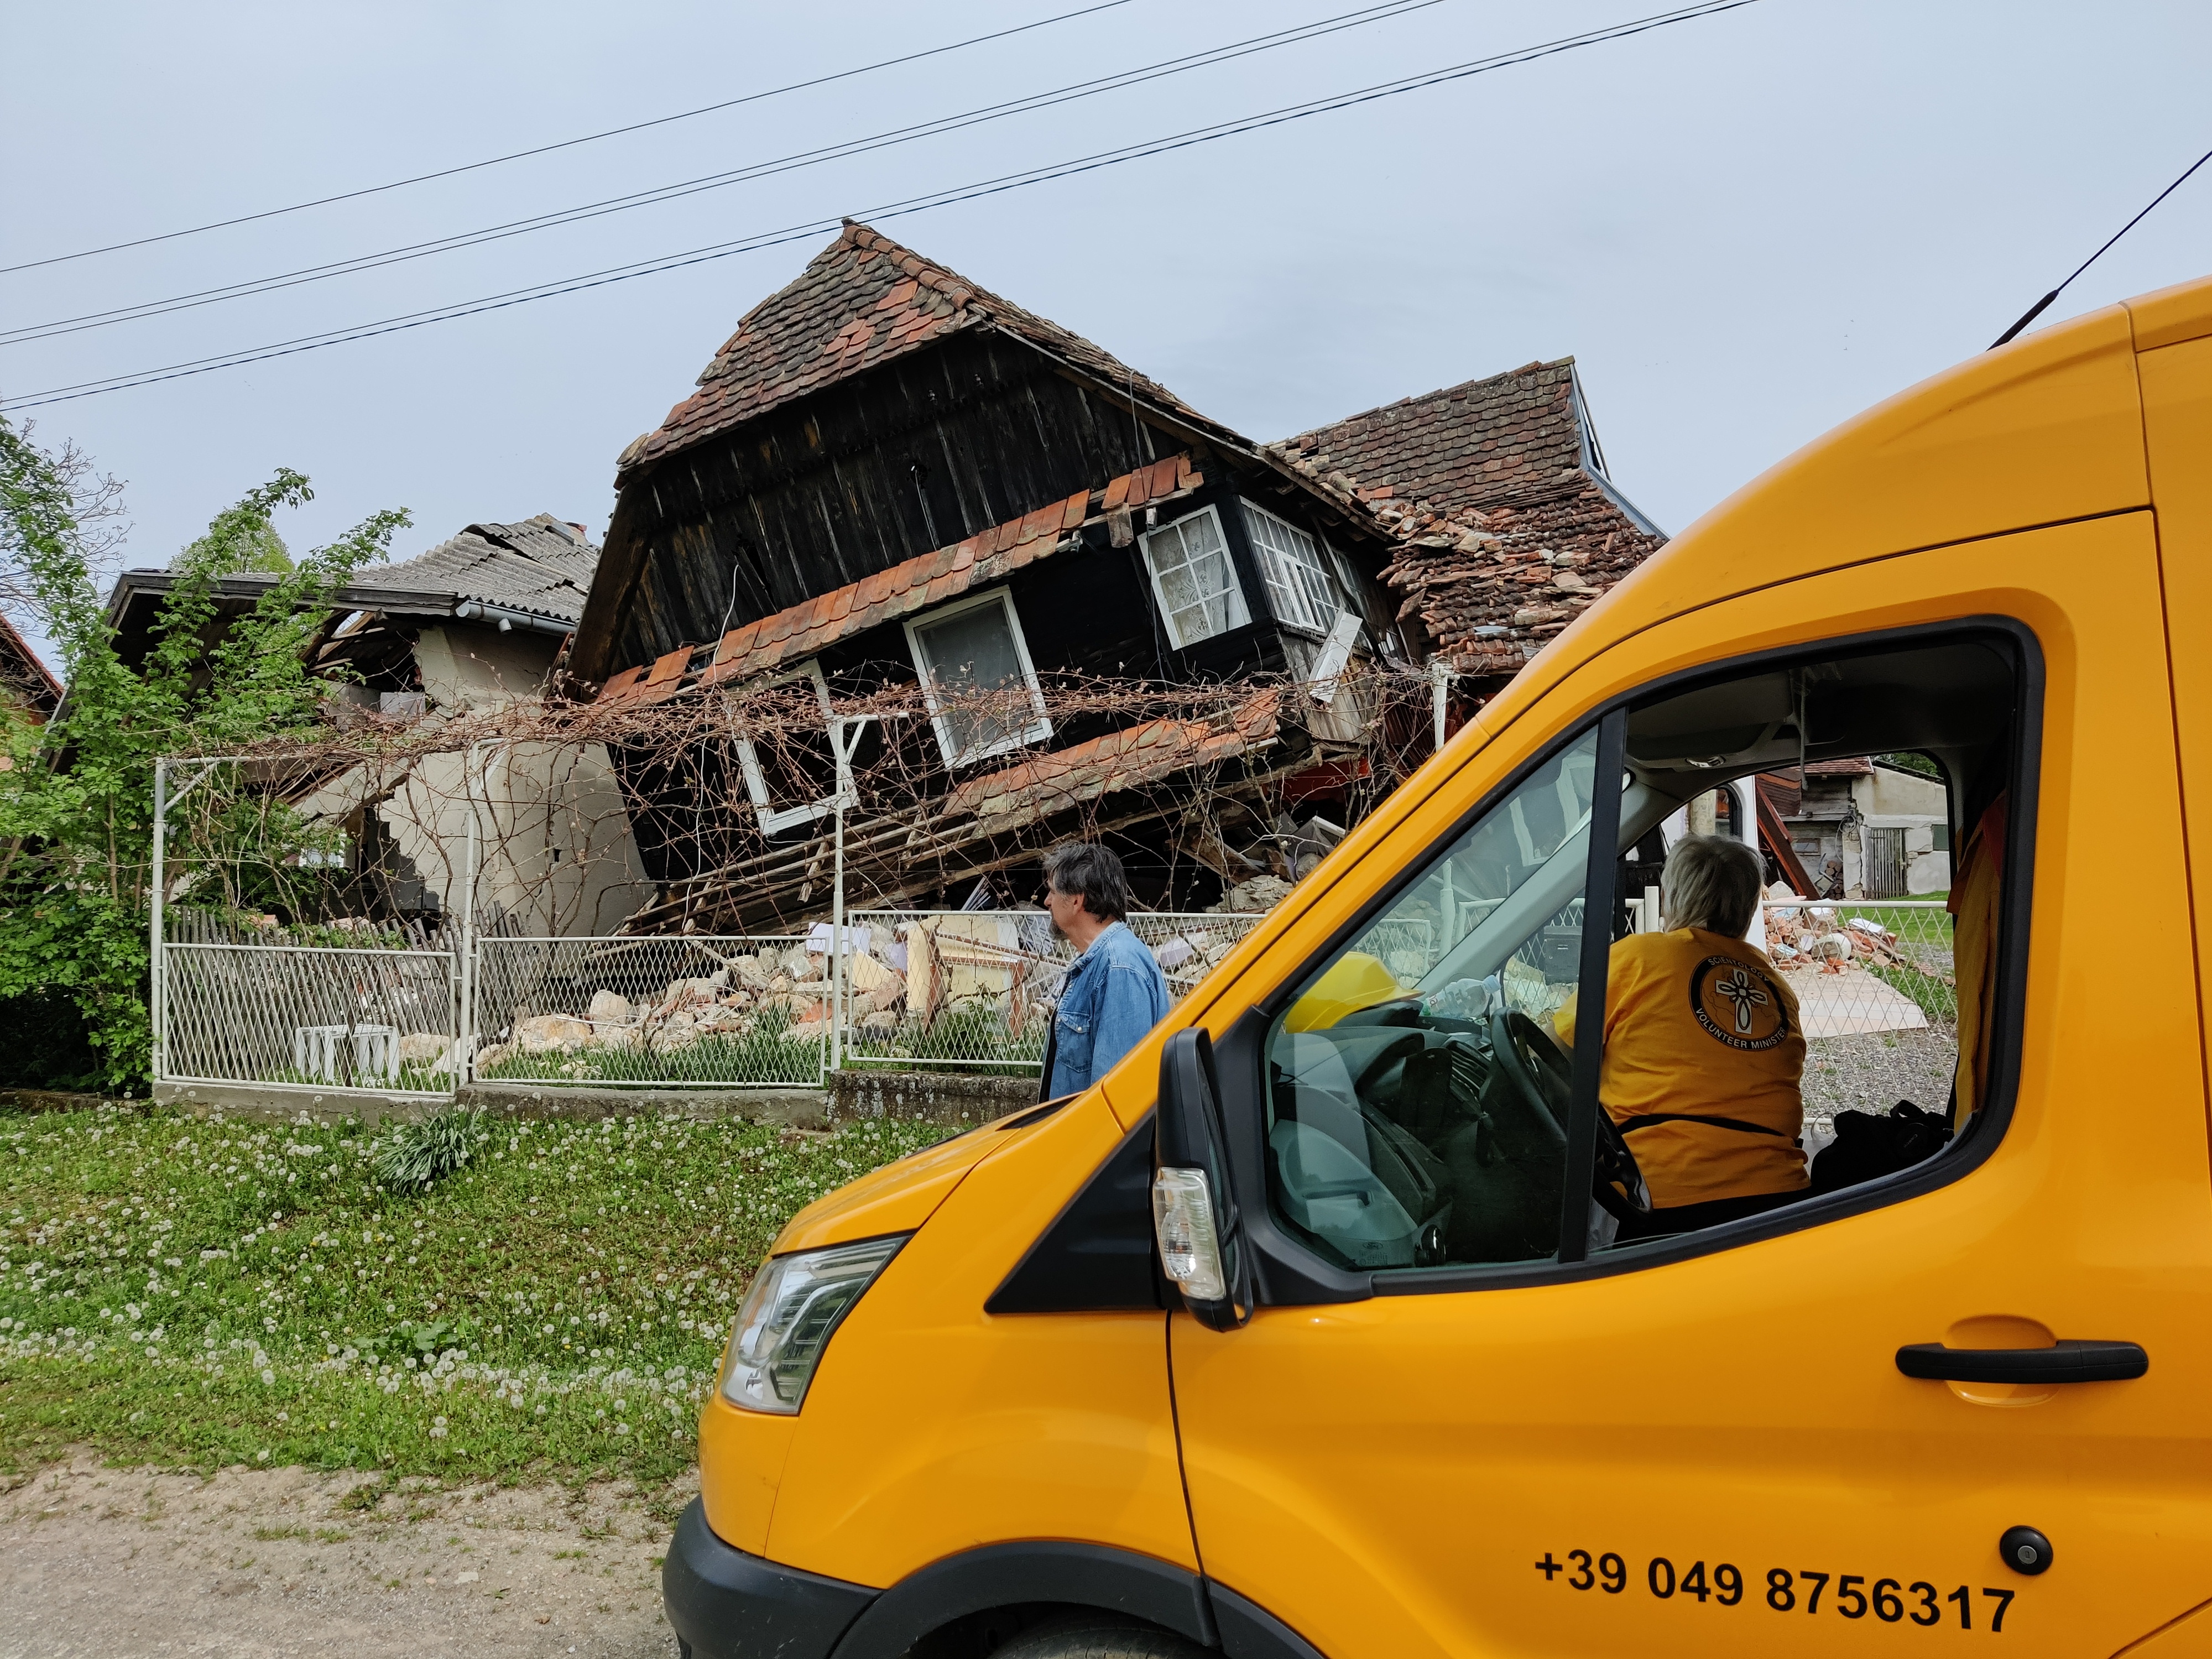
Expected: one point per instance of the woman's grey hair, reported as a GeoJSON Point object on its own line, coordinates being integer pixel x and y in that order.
{"type": "Point", "coordinates": [1085, 870]}
{"type": "Point", "coordinates": [1713, 883]}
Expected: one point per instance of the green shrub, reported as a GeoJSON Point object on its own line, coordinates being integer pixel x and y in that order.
{"type": "Point", "coordinates": [409, 1157]}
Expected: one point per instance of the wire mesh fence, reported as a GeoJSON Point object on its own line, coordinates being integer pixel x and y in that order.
{"type": "Point", "coordinates": [954, 989]}
{"type": "Point", "coordinates": [724, 1011]}
{"type": "Point", "coordinates": [310, 1016]}
{"type": "Point", "coordinates": [974, 988]}
{"type": "Point", "coordinates": [1877, 997]}
{"type": "Point", "coordinates": [1865, 966]}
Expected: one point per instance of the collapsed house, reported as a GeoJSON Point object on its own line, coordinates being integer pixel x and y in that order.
{"type": "Point", "coordinates": [476, 621]}
{"type": "Point", "coordinates": [891, 478]}
{"type": "Point", "coordinates": [1495, 492]}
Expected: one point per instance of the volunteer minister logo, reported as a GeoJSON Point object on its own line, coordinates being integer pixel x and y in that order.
{"type": "Point", "coordinates": [1737, 1004]}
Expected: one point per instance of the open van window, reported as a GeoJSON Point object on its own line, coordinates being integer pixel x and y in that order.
{"type": "Point", "coordinates": [1761, 1046]}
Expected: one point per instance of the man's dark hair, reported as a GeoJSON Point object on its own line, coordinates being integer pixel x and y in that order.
{"type": "Point", "coordinates": [1085, 870]}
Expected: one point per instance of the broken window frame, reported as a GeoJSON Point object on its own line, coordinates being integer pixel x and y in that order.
{"type": "Point", "coordinates": [1295, 569]}
{"type": "Point", "coordinates": [1036, 731]}
{"type": "Point", "coordinates": [1236, 613]}
{"type": "Point", "coordinates": [774, 818]}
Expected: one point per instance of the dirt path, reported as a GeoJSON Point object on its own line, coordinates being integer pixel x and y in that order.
{"type": "Point", "coordinates": [118, 1562]}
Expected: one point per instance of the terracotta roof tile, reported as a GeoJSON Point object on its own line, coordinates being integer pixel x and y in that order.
{"type": "Point", "coordinates": [1503, 535]}
{"type": "Point", "coordinates": [1119, 760]}
{"type": "Point", "coordinates": [861, 301]}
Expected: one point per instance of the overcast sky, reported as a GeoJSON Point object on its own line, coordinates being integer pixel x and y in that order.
{"type": "Point", "coordinates": [1744, 228]}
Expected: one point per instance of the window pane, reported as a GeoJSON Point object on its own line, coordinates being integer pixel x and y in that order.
{"type": "Point", "coordinates": [1179, 588]}
{"type": "Point", "coordinates": [1198, 586]}
{"type": "Point", "coordinates": [1416, 1101]}
{"type": "Point", "coordinates": [982, 697]}
{"type": "Point", "coordinates": [1299, 586]}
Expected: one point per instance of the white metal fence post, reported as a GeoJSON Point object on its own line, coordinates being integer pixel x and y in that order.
{"type": "Point", "coordinates": [160, 1011]}
{"type": "Point", "coordinates": [844, 779]}
{"type": "Point", "coordinates": [465, 968]}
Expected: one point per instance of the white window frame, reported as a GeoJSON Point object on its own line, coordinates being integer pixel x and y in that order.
{"type": "Point", "coordinates": [1294, 594]}
{"type": "Point", "coordinates": [774, 817]}
{"type": "Point", "coordinates": [1036, 731]}
{"type": "Point", "coordinates": [1238, 613]}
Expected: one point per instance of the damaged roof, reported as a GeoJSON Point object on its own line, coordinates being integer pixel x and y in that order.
{"type": "Point", "coordinates": [800, 631]}
{"type": "Point", "coordinates": [541, 568]}
{"type": "Point", "coordinates": [861, 301]}
{"type": "Point", "coordinates": [1465, 445]}
{"type": "Point", "coordinates": [1497, 492]}
{"type": "Point", "coordinates": [1060, 778]}
{"type": "Point", "coordinates": [534, 575]}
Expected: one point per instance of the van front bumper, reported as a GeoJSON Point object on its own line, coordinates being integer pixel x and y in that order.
{"type": "Point", "coordinates": [726, 1604]}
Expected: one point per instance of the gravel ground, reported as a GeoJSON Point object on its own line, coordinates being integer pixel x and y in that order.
{"type": "Point", "coordinates": [1872, 1072]}
{"type": "Point", "coordinates": [253, 1563]}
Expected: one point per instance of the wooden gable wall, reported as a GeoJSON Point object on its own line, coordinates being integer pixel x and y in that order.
{"type": "Point", "coordinates": [832, 488]}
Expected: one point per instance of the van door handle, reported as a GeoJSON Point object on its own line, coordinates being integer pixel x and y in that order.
{"type": "Point", "coordinates": [2063, 1362]}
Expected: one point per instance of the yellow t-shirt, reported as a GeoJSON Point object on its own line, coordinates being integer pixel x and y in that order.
{"type": "Point", "coordinates": [1700, 1024]}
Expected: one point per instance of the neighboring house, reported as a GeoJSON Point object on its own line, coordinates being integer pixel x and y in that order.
{"type": "Point", "coordinates": [1865, 829]}
{"type": "Point", "coordinates": [890, 476]}
{"type": "Point", "coordinates": [1496, 492]}
{"type": "Point", "coordinates": [477, 621]}
{"type": "Point", "coordinates": [28, 690]}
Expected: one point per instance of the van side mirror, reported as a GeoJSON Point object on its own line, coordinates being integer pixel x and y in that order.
{"type": "Point", "coordinates": [1194, 1214]}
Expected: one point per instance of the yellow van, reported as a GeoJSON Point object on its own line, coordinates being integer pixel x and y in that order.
{"type": "Point", "coordinates": [1344, 1318]}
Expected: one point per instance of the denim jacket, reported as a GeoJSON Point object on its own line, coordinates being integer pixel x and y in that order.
{"type": "Point", "coordinates": [1113, 995]}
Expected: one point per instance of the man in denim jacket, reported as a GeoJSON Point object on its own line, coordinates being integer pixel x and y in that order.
{"type": "Point", "coordinates": [1115, 991]}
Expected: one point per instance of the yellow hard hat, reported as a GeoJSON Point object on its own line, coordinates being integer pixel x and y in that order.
{"type": "Point", "coordinates": [1355, 981]}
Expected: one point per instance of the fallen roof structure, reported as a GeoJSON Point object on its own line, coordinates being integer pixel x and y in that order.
{"type": "Point", "coordinates": [1507, 524]}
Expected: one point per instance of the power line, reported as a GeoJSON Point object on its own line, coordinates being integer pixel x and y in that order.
{"type": "Point", "coordinates": [1026, 104]}
{"type": "Point", "coordinates": [1092, 162]}
{"type": "Point", "coordinates": [2044, 304]}
{"type": "Point", "coordinates": [565, 143]}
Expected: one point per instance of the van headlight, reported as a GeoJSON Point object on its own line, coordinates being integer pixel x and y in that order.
{"type": "Point", "coordinates": [788, 1316]}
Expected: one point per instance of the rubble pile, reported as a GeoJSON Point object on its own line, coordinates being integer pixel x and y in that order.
{"type": "Point", "coordinates": [979, 977]}
{"type": "Point", "coordinates": [782, 993]}
{"type": "Point", "coordinates": [1817, 939]}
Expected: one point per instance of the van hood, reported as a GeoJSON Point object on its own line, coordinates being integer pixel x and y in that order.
{"type": "Point", "coordinates": [896, 1199]}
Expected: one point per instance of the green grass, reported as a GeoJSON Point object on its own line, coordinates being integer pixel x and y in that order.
{"type": "Point", "coordinates": [1939, 1001]}
{"type": "Point", "coordinates": [202, 1292]}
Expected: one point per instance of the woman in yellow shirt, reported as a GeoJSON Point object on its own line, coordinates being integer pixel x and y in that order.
{"type": "Point", "coordinates": [1703, 1049]}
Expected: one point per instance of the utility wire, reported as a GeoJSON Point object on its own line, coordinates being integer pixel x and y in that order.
{"type": "Point", "coordinates": [565, 143]}
{"type": "Point", "coordinates": [2044, 304]}
{"type": "Point", "coordinates": [888, 210]}
{"type": "Point", "coordinates": [660, 193]}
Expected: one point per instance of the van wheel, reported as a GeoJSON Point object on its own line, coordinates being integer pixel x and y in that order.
{"type": "Point", "coordinates": [1098, 1636]}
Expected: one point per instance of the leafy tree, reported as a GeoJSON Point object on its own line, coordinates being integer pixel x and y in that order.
{"type": "Point", "coordinates": [1914, 762]}
{"type": "Point", "coordinates": [76, 800]}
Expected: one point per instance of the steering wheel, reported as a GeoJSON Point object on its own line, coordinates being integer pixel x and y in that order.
{"type": "Point", "coordinates": [1541, 1075]}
